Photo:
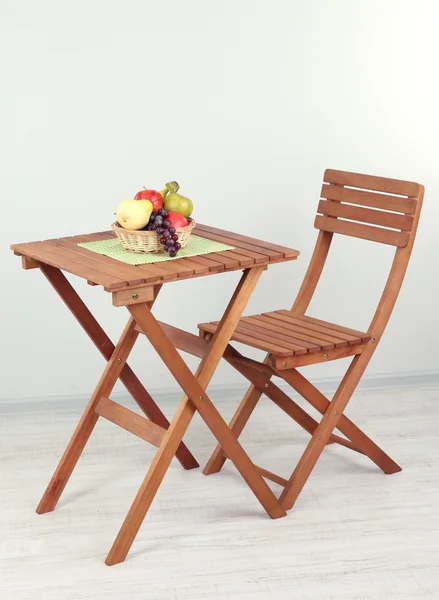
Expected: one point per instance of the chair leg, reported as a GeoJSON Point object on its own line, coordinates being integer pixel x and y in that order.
{"type": "Point", "coordinates": [367, 446]}
{"type": "Point", "coordinates": [237, 424]}
{"type": "Point", "coordinates": [326, 426]}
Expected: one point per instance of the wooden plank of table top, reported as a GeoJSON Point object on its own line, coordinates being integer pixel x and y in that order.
{"type": "Point", "coordinates": [127, 272]}
{"type": "Point", "coordinates": [286, 252]}
{"type": "Point", "coordinates": [248, 252]}
{"type": "Point", "coordinates": [228, 262]}
{"type": "Point", "coordinates": [283, 334]}
{"type": "Point", "coordinates": [153, 273]}
{"type": "Point", "coordinates": [323, 335]}
{"type": "Point", "coordinates": [243, 260]}
{"type": "Point", "coordinates": [186, 267]}
{"type": "Point", "coordinates": [256, 257]}
{"type": "Point", "coordinates": [343, 333]}
{"type": "Point", "coordinates": [238, 243]}
{"type": "Point", "coordinates": [67, 261]}
{"type": "Point", "coordinates": [209, 260]}
{"type": "Point", "coordinates": [161, 271]}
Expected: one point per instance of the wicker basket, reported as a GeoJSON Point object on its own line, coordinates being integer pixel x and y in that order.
{"type": "Point", "coordinates": [149, 241]}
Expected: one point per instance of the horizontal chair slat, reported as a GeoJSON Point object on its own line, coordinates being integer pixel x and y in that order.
{"type": "Point", "coordinates": [365, 232]}
{"type": "Point", "coordinates": [370, 182]}
{"type": "Point", "coordinates": [366, 215]}
{"type": "Point", "coordinates": [401, 205]}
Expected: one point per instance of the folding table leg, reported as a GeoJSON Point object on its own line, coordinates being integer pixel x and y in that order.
{"type": "Point", "coordinates": [195, 399]}
{"type": "Point", "coordinates": [326, 426]}
{"type": "Point", "coordinates": [103, 343]}
{"type": "Point", "coordinates": [88, 419]}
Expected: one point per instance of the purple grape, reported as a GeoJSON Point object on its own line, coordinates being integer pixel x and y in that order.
{"type": "Point", "coordinates": [160, 212]}
{"type": "Point", "coordinates": [159, 230]}
{"type": "Point", "coordinates": [167, 223]}
{"type": "Point", "coordinates": [164, 213]}
{"type": "Point", "coordinates": [172, 230]}
{"type": "Point", "coordinates": [158, 220]}
{"type": "Point", "coordinates": [152, 217]}
{"type": "Point", "coordinates": [174, 236]}
{"type": "Point", "coordinates": [172, 251]}
{"type": "Point", "coordinates": [162, 240]}
{"type": "Point", "coordinates": [177, 246]}
{"type": "Point", "coordinates": [166, 234]}
{"type": "Point", "coordinates": [169, 242]}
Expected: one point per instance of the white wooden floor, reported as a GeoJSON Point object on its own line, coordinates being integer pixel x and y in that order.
{"type": "Point", "coordinates": [355, 533]}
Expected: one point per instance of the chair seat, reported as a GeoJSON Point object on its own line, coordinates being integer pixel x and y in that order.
{"type": "Point", "coordinates": [284, 333]}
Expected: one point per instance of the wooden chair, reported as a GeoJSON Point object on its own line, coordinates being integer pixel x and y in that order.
{"type": "Point", "coordinates": [362, 206]}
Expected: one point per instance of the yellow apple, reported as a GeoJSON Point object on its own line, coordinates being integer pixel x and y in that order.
{"type": "Point", "coordinates": [134, 214]}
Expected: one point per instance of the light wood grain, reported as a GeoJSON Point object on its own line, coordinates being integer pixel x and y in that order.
{"type": "Point", "coordinates": [88, 420]}
{"type": "Point", "coordinates": [363, 198]}
{"type": "Point", "coordinates": [64, 253]}
{"type": "Point", "coordinates": [372, 182]}
{"type": "Point", "coordinates": [355, 533]}
{"type": "Point", "coordinates": [133, 296]}
{"type": "Point", "coordinates": [196, 398]}
{"type": "Point", "coordinates": [364, 232]}
{"type": "Point", "coordinates": [365, 215]}
{"type": "Point", "coordinates": [130, 421]}
{"type": "Point", "coordinates": [361, 345]}
{"type": "Point", "coordinates": [106, 347]}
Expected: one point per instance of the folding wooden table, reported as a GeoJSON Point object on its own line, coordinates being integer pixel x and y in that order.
{"type": "Point", "coordinates": [137, 287]}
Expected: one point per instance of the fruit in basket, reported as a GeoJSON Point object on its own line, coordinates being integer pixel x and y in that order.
{"type": "Point", "coordinates": [175, 202]}
{"type": "Point", "coordinates": [163, 193]}
{"type": "Point", "coordinates": [134, 214]}
{"type": "Point", "coordinates": [153, 196]}
{"type": "Point", "coordinates": [176, 219]}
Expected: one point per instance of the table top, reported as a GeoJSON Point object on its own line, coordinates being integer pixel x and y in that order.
{"type": "Point", "coordinates": [65, 254]}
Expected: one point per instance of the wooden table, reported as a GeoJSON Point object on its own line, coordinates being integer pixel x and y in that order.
{"type": "Point", "coordinates": [137, 287]}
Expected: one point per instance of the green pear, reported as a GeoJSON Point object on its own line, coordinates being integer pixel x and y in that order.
{"type": "Point", "coordinates": [175, 202]}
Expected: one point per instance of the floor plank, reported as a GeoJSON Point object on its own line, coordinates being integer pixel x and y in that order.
{"type": "Point", "coordinates": [354, 534]}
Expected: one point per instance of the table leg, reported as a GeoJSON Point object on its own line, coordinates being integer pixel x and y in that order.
{"type": "Point", "coordinates": [88, 420]}
{"type": "Point", "coordinates": [195, 399]}
{"type": "Point", "coordinates": [103, 343]}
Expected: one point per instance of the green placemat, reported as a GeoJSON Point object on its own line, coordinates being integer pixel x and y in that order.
{"type": "Point", "coordinates": [113, 248]}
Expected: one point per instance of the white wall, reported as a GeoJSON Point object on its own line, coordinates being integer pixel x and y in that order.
{"type": "Point", "coordinates": [245, 103]}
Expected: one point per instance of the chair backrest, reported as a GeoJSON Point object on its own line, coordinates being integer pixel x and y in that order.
{"type": "Point", "coordinates": [372, 208]}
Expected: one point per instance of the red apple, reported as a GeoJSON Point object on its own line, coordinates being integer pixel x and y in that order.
{"type": "Point", "coordinates": [152, 195]}
{"type": "Point", "coordinates": [177, 220]}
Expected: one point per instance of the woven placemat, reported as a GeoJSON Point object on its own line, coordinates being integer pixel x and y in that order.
{"type": "Point", "coordinates": [196, 246]}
